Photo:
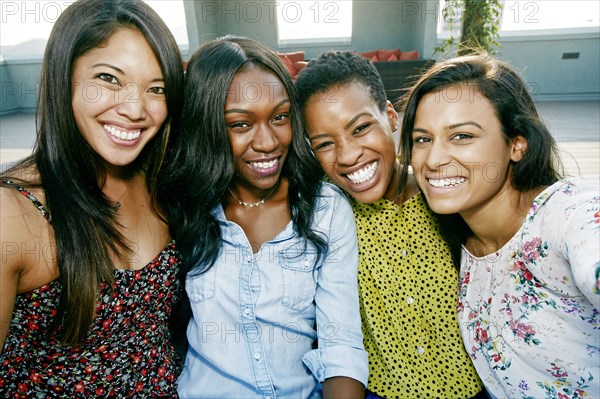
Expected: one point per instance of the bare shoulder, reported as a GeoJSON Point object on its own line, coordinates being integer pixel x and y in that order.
{"type": "Point", "coordinates": [27, 242]}
{"type": "Point", "coordinates": [11, 233]}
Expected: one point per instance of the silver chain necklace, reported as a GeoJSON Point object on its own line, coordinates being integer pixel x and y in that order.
{"type": "Point", "coordinates": [252, 204]}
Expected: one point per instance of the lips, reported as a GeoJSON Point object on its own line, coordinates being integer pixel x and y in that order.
{"type": "Point", "coordinates": [448, 182]}
{"type": "Point", "coordinates": [122, 134]}
{"type": "Point", "coordinates": [364, 174]}
{"type": "Point", "coordinates": [265, 168]}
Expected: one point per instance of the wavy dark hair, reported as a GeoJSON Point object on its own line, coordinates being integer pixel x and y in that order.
{"type": "Point", "coordinates": [337, 68]}
{"type": "Point", "coordinates": [509, 95]}
{"type": "Point", "coordinates": [205, 165]}
{"type": "Point", "coordinates": [70, 173]}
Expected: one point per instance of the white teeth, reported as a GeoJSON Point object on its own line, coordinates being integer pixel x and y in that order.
{"type": "Point", "coordinates": [120, 134]}
{"type": "Point", "coordinates": [364, 174]}
{"type": "Point", "coordinates": [447, 182]}
{"type": "Point", "coordinates": [265, 165]}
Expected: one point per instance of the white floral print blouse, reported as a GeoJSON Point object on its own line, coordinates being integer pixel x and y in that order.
{"type": "Point", "coordinates": [529, 312]}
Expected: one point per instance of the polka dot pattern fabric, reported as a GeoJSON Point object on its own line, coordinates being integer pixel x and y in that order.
{"type": "Point", "coordinates": [408, 296]}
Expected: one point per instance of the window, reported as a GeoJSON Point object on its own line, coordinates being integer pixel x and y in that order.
{"type": "Point", "coordinates": [532, 17]}
{"type": "Point", "coordinates": [314, 22]}
{"type": "Point", "coordinates": [26, 25]}
{"type": "Point", "coordinates": [541, 15]}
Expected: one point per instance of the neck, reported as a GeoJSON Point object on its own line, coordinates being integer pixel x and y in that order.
{"type": "Point", "coordinates": [393, 191]}
{"type": "Point", "coordinates": [252, 197]}
{"type": "Point", "coordinates": [497, 222]}
{"type": "Point", "coordinates": [397, 194]}
{"type": "Point", "coordinates": [120, 189]}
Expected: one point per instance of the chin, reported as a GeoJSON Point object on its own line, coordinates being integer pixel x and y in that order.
{"type": "Point", "coordinates": [443, 209]}
{"type": "Point", "coordinates": [367, 197]}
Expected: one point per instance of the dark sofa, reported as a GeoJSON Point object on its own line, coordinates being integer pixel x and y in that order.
{"type": "Point", "coordinates": [397, 76]}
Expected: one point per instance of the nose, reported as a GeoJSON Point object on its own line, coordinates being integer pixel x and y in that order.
{"type": "Point", "coordinates": [438, 155]}
{"type": "Point", "coordinates": [264, 140]}
{"type": "Point", "coordinates": [348, 153]}
{"type": "Point", "coordinates": [131, 103]}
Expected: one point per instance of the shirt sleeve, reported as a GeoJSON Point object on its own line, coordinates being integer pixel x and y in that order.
{"type": "Point", "coordinates": [340, 350]}
{"type": "Point", "coordinates": [582, 244]}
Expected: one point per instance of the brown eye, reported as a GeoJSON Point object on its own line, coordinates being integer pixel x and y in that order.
{"type": "Point", "coordinates": [157, 90]}
{"type": "Point", "coordinates": [108, 78]}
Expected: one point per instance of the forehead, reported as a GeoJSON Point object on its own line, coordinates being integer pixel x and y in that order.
{"type": "Point", "coordinates": [255, 85]}
{"type": "Point", "coordinates": [465, 99]}
{"type": "Point", "coordinates": [348, 96]}
{"type": "Point", "coordinates": [126, 48]}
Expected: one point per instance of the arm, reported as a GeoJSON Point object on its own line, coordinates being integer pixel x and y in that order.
{"type": "Point", "coordinates": [343, 388]}
{"type": "Point", "coordinates": [10, 265]}
{"type": "Point", "coordinates": [582, 244]}
{"type": "Point", "coordinates": [341, 352]}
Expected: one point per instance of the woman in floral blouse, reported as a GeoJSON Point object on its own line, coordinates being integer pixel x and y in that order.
{"type": "Point", "coordinates": [529, 294]}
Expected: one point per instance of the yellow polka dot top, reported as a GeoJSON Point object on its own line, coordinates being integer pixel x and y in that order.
{"type": "Point", "coordinates": [408, 298]}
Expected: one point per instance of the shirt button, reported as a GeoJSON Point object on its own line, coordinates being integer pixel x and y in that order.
{"type": "Point", "coordinates": [409, 300]}
{"type": "Point", "coordinates": [306, 263]}
{"type": "Point", "coordinates": [248, 258]}
{"type": "Point", "coordinates": [420, 350]}
{"type": "Point", "coordinates": [257, 356]}
{"type": "Point", "coordinates": [247, 311]}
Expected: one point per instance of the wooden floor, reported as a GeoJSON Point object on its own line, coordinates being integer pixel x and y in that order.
{"type": "Point", "coordinates": [575, 126]}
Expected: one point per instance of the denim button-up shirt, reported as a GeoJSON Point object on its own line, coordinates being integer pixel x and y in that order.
{"type": "Point", "coordinates": [257, 315]}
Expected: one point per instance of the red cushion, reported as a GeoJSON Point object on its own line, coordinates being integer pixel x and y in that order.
{"type": "Point", "coordinates": [300, 65]}
{"type": "Point", "coordinates": [384, 55]}
{"type": "Point", "coordinates": [375, 58]}
{"type": "Point", "coordinates": [368, 54]}
{"type": "Point", "coordinates": [393, 57]}
{"type": "Point", "coordinates": [288, 63]}
{"type": "Point", "coordinates": [296, 56]}
{"type": "Point", "coordinates": [409, 55]}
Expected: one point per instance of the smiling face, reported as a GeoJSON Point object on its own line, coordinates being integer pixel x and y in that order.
{"type": "Point", "coordinates": [257, 114]}
{"type": "Point", "coordinates": [460, 157]}
{"type": "Point", "coordinates": [352, 140]}
{"type": "Point", "coordinates": [119, 100]}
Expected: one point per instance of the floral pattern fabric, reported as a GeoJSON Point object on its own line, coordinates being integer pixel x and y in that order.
{"type": "Point", "coordinates": [529, 313]}
{"type": "Point", "coordinates": [126, 354]}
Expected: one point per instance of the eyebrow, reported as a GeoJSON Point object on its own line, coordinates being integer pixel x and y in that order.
{"type": "Point", "coordinates": [454, 126]}
{"type": "Point", "coordinates": [102, 64]}
{"type": "Point", "coordinates": [350, 123]}
{"type": "Point", "coordinates": [245, 111]}
{"type": "Point", "coordinates": [450, 127]}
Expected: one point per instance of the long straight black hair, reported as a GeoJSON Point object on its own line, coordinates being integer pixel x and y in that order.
{"type": "Point", "coordinates": [205, 165]}
{"type": "Point", "coordinates": [70, 172]}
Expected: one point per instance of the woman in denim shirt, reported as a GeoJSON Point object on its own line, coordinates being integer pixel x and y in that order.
{"type": "Point", "coordinates": [271, 251]}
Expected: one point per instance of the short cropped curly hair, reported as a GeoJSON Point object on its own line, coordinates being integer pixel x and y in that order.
{"type": "Point", "coordinates": [337, 68]}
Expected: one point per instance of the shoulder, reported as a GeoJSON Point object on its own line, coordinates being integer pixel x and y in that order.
{"type": "Point", "coordinates": [330, 190]}
{"type": "Point", "coordinates": [15, 229]}
{"type": "Point", "coordinates": [567, 196]}
{"type": "Point", "coordinates": [332, 206]}
{"type": "Point", "coordinates": [14, 204]}
{"type": "Point", "coordinates": [330, 196]}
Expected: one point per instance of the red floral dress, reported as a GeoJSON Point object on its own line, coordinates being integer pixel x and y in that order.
{"type": "Point", "coordinates": [126, 354]}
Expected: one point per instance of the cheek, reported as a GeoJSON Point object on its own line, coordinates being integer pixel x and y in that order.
{"type": "Point", "coordinates": [158, 110]}
{"type": "Point", "coordinates": [327, 162]}
{"type": "Point", "coordinates": [416, 155]}
{"type": "Point", "coordinates": [285, 135]}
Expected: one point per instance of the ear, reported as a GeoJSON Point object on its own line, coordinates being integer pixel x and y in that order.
{"type": "Point", "coordinates": [392, 115]}
{"type": "Point", "coordinates": [518, 148]}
